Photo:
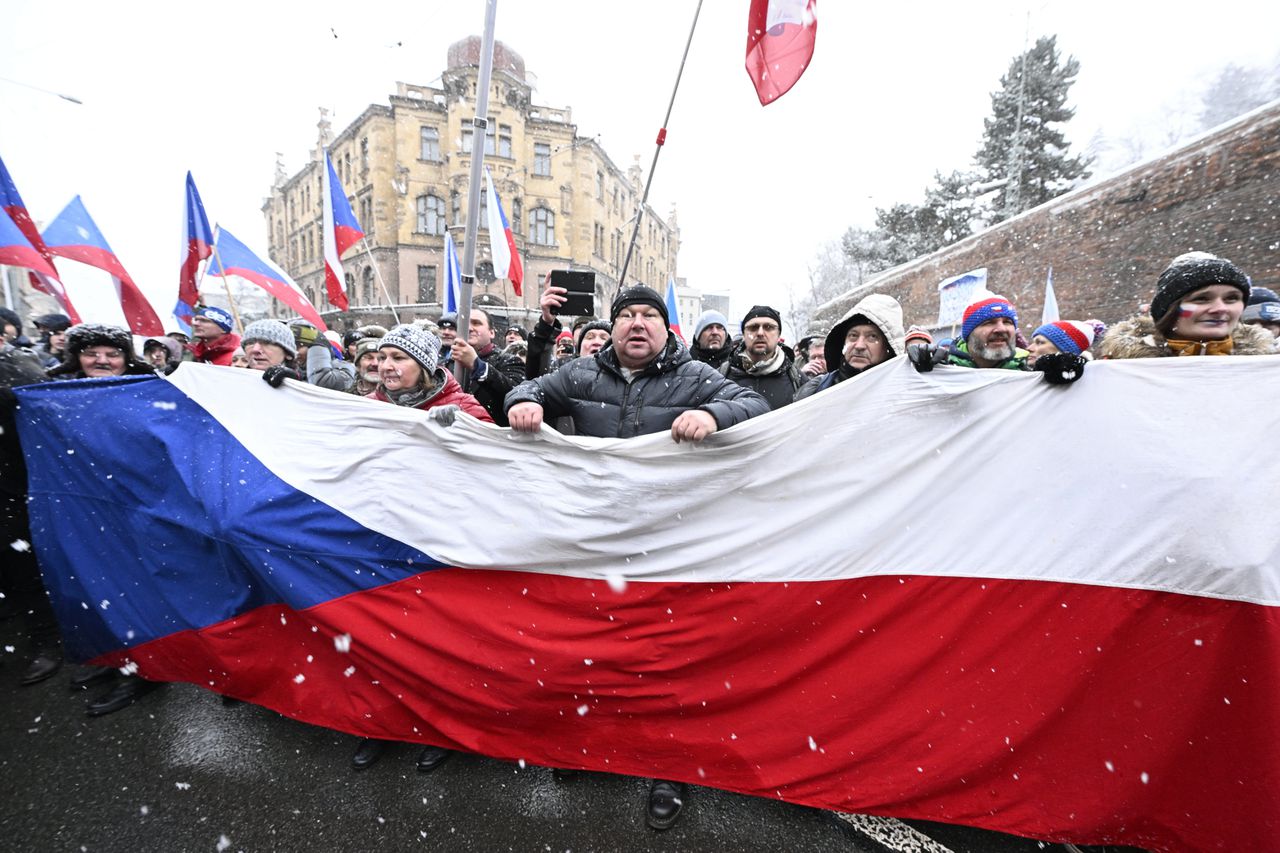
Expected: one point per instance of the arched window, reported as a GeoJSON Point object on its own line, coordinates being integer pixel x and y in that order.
{"type": "Point", "coordinates": [368, 286]}
{"type": "Point", "coordinates": [431, 215]}
{"type": "Point", "coordinates": [542, 227]}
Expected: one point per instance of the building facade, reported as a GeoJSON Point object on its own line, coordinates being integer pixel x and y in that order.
{"type": "Point", "coordinates": [406, 167]}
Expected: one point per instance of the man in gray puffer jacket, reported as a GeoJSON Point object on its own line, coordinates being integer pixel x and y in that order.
{"type": "Point", "coordinates": [643, 382]}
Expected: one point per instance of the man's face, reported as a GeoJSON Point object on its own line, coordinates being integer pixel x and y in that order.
{"type": "Point", "coordinates": [817, 350]}
{"type": "Point", "coordinates": [102, 361]}
{"type": "Point", "coordinates": [239, 359]}
{"type": "Point", "coordinates": [593, 340]}
{"type": "Point", "coordinates": [993, 340]}
{"type": "Point", "coordinates": [760, 337]}
{"type": "Point", "coordinates": [367, 366]}
{"type": "Point", "coordinates": [639, 334]}
{"type": "Point", "coordinates": [479, 335]}
{"type": "Point", "coordinates": [204, 329]}
{"type": "Point", "coordinates": [864, 346]}
{"type": "Point", "coordinates": [57, 341]}
{"type": "Point", "coordinates": [713, 337]}
{"type": "Point", "coordinates": [448, 334]}
{"type": "Point", "coordinates": [262, 354]}
{"type": "Point", "coordinates": [512, 337]}
{"type": "Point", "coordinates": [156, 356]}
{"type": "Point", "coordinates": [10, 332]}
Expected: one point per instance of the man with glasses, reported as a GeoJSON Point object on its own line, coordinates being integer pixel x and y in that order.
{"type": "Point", "coordinates": [761, 361]}
{"type": "Point", "coordinates": [642, 382]}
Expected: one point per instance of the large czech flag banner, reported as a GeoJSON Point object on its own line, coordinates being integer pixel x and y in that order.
{"type": "Point", "coordinates": [963, 596]}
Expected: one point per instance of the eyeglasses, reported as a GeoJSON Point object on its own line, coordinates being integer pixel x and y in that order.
{"type": "Point", "coordinates": [646, 316]}
{"type": "Point", "coordinates": [760, 328]}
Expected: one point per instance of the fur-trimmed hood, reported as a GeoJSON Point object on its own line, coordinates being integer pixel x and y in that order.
{"type": "Point", "coordinates": [1138, 337]}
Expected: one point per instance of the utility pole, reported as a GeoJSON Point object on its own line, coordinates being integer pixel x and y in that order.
{"type": "Point", "coordinates": [1013, 191]}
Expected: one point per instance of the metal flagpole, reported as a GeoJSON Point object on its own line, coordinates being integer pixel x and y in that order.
{"type": "Point", "coordinates": [478, 137]}
{"type": "Point", "coordinates": [662, 138]}
{"type": "Point", "coordinates": [377, 272]}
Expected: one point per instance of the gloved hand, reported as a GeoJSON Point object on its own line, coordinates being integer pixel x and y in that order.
{"type": "Point", "coordinates": [923, 357]}
{"type": "Point", "coordinates": [276, 374]}
{"type": "Point", "coordinates": [1060, 368]}
{"type": "Point", "coordinates": [307, 336]}
{"type": "Point", "coordinates": [443, 415]}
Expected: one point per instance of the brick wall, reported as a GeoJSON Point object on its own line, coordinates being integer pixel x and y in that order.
{"type": "Point", "coordinates": [1108, 242]}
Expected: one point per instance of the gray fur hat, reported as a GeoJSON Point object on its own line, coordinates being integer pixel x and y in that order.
{"type": "Point", "coordinates": [271, 332]}
{"type": "Point", "coordinates": [421, 346]}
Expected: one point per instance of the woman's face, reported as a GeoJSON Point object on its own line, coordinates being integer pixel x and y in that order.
{"type": "Point", "coordinates": [1210, 313]}
{"type": "Point", "coordinates": [398, 371]}
{"type": "Point", "coordinates": [1040, 345]}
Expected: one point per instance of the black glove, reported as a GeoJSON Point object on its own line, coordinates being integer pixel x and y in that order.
{"type": "Point", "coordinates": [1060, 368]}
{"type": "Point", "coordinates": [276, 374]}
{"type": "Point", "coordinates": [924, 356]}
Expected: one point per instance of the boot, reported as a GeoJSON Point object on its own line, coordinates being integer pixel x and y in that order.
{"type": "Point", "coordinates": [666, 801]}
{"type": "Point", "coordinates": [368, 751]}
{"type": "Point", "coordinates": [44, 664]}
{"type": "Point", "coordinates": [432, 757]}
{"type": "Point", "coordinates": [125, 693]}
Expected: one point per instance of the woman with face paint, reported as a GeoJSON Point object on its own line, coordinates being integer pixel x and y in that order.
{"type": "Point", "coordinates": [1195, 311]}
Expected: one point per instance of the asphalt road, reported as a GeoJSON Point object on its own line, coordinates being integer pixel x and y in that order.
{"type": "Point", "coordinates": [180, 771]}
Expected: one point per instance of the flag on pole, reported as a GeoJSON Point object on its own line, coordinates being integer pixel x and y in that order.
{"type": "Point", "coordinates": [502, 244]}
{"type": "Point", "coordinates": [1050, 312]}
{"type": "Point", "coordinates": [197, 244]}
{"type": "Point", "coordinates": [452, 276]}
{"type": "Point", "coordinates": [957, 293]}
{"type": "Point", "coordinates": [673, 308]}
{"type": "Point", "coordinates": [74, 235]}
{"type": "Point", "coordinates": [16, 250]}
{"type": "Point", "coordinates": [780, 39]}
{"type": "Point", "coordinates": [231, 257]}
{"type": "Point", "coordinates": [182, 314]}
{"type": "Point", "coordinates": [1107, 676]}
{"type": "Point", "coordinates": [11, 202]}
{"type": "Point", "coordinates": [341, 232]}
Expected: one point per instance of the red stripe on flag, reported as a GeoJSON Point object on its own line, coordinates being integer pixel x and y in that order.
{"type": "Point", "coordinates": [1066, 712]}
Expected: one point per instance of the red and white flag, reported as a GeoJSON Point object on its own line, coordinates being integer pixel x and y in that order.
{"type": "Point", "coordinates": [780, 38]}
{"type": "Point", "coordinates": [341, 232]}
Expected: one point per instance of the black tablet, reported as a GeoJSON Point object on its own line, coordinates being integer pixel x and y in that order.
{"type": "Point", "coordinates": [580, 300]}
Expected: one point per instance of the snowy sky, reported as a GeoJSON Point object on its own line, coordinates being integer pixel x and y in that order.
{"type": "Point", "coordinates": [895, 91]}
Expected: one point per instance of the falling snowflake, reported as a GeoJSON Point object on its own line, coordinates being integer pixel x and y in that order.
{"type": "Point", "coordinates": [299, 678]}
{"type": "Point", "coordinates": [223, 843]}
{"type": "Point", "coordinates": [20, 545]}
{"type": "Point", "coordinates": [582, 710]}
{"type": "Point", "coordinates": [342, 643]}
{"type": "Point", "coordinates": [349, 671]}
{"type": "Point", "coordinates": [813, 744]}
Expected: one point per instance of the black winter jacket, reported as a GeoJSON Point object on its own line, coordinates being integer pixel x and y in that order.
{"type": "Point", "coordinates": [593, 392]}
{"type": "Point", "coordinates": [779, 387]}
{"type": "Point", "coordinates": [503, 373]}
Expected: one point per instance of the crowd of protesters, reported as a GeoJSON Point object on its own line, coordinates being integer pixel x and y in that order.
{"type": "Point", "coordinates": [621, 376]}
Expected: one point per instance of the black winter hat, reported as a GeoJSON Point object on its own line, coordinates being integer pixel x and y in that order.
{"type": "Point", "coordinates": [52, 322]}
{"type": "Point", "coordinates": [1188, 273]}
{"type": "Point", "coordinates": [1259, 295]}
{"type": "Point", "coordinates": [603, 325]}
{"type": "Point", "coordinates": [639, 294]}
{"type": "Point", "coordinates": [9, 317]}
{"type": "Point", "coordinates": [762, 311]}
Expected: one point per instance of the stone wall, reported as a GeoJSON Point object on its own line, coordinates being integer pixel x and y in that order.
{"type": "Point", "coordinates": [1107, 242]}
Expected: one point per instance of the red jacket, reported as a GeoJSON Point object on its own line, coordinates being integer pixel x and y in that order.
{"type": "Point", "coordinates": [216, 351]}
{"type": "Point", "coordinates": [450, 395]}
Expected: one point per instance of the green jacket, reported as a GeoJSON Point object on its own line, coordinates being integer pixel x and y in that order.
{"type": "Point", "coordinates": [958, 354]}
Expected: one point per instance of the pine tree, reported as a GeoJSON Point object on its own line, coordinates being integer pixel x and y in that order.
{"type": "Point", "coordinates": [1022, 142]}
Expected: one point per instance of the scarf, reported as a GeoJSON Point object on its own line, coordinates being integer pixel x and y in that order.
{"type": "Point", "coordinates": [413, 398]}
{"type": "Point", "coordinates": [763, 368]}
{"type": "Point", "coordinates": [1222, 347]}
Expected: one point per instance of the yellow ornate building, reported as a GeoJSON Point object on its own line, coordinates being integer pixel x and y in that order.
{"type": "Point", "coordinates": [406, 167]}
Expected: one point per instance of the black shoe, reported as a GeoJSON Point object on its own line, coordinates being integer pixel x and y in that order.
{"type": "Point", "coordinates": [563, 774]}
{"type": "Point", "coordinates": [367, 753]}
{"type": "Point", "coordinates": [666, 800]}
{"type": "Point", "coordinates": [121, 696]}
{"type": "Point", "coordinates": [42, 666]}
{"type": "Point", "coordinates": [432, 757]}
{"type": "Point", "coordinates": [91, 675]}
